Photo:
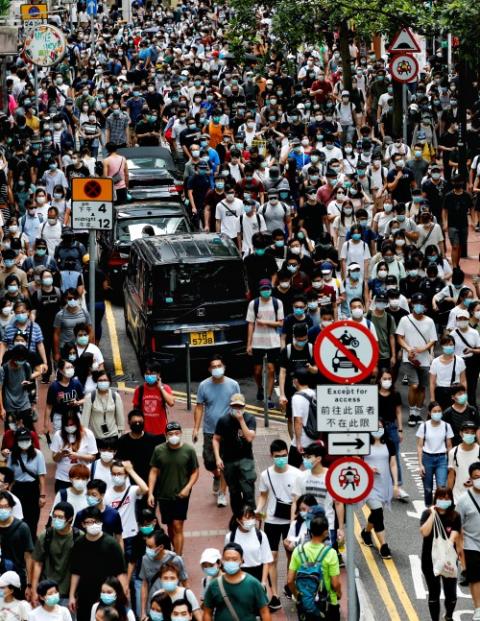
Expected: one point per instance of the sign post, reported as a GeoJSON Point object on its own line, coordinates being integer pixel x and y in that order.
{"type": "Point", "coordinates": [92, 209]}
{"type": "Point", "coordinates": [350, 480]}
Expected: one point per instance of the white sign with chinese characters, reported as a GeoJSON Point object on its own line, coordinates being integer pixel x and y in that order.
{"type": "Point", "coordinates": [347, 408]}
{"type": "Point", "coordinates": [97, 215]}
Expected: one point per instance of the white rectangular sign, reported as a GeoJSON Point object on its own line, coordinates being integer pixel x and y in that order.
{"type": "Point", "coordinates": [97, 215]}
{"type": "Point", "coordinates": [347, 408]}
{"type": "Point", "coordinates": [349, 444]}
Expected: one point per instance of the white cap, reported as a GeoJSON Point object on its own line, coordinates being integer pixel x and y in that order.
{"type": "Point", "coordinates": [209, 555]}
{"type": "Point", "coordinates": [462, 314]}
{"type": "Point", "coordinates": [354, 266]}
{"type": "Point", "coordinates": [10, 578]}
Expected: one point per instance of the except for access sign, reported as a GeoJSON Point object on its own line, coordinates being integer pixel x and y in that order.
{"type": "Point", "coordinates": [346, 352]}
{"type": "Point", "coordinates": [347, 408]}
{"type": "Point", "coordinates": [92, 203]}
{"type": "Point", "coordinates": [349, 480]}
{"type": "Point", "coordinates": [349, 444]}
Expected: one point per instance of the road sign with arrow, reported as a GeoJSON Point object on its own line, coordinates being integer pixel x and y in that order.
{"type": "Point", "coordinates": [348, 443]}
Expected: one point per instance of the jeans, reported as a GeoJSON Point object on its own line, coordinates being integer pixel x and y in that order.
{"type": "Point", "coordinates": [391, 431]}
{"type": "Point", "coordinates": [435, 465]}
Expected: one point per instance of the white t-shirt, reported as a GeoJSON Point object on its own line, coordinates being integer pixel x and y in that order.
{"type": "Point", "coordinates": [59, 613]}
{"type": "Point", "coordinates": [88, 446]}
{"type": "Point", "coordinates": [265, 337]}
{"type": "Point", "coordinates": [17, 610]}
{"type": "Point", "coordinates": [300, 407]}
{"type": "Point", "coordinates": [228, 214]}
{"type": "Point", "coordinates": [353, 252]}
{"type": "Point", "coordinates": [78, 501]}
{"type": "Point", "coordinates": [434, 438]}
{"type": "Point", "coordinates": [435, 237]}
{"type": "Point", "coordinates": [127, 510]}
{"type": "Point", "coordinates": [102, 472]}
{"type": "Point", "coordinates": [460, 460]}
{"type": "Point", "coordinates": [418, 336]}
{"type": "Point", "coordinates": [309, 483]}
{"type": "Point", "coordinates": [17, 510]}
{"type": "Point", "coordinates": [302, 533]}
{"type": "Point", "coordinates": [247, 226]}
{"type": "Point", "coordinates": [444, 372]}
{"type": "Point", "coordinates": [91, 348]}
{"type": "Point", "coordinates": [472, 338]}
{"type": "Point", "coordinates": [282, 483]}
{"type": "Point", "coordinates": [130, 613]}
{"type": "Point", "coordinates": [253, 553]}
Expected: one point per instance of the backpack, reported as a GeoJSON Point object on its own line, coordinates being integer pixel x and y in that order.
{"type": "Point", "coordinates": [47, 542]}
{"type": "Point", "coordinates": [311, 427]}
{"type": "Point", "coordinates": [389, 321]}
{"type": "Point", "coordinates": [256, 306]}
{"type": "Point", "coordinates": [311, 585]}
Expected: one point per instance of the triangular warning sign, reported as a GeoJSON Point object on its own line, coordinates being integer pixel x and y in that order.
{"type": "Point", "coordinates": [404, 41]}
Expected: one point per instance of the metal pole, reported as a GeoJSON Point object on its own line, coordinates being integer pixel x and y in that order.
{"type": "Point", "coordinates": [449, 52]}
{"type": "Point", "coordinates": [35, 86]}
{"type": "Point", "coordinates": [350, 561]}
{"type": "Point", "coordinates": [266, 420]}
{"type": "Point", "coordinates": [189, 377]}
{"type": "Point", "coordinates": [92, 250]}
{"type": "Point", "coordinates": [404, 113]}
{"type": "Point", "coordinates": [92, 33]}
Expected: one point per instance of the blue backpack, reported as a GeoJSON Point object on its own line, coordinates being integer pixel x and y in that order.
{"type": "Point", "coordinates": [311, 585]}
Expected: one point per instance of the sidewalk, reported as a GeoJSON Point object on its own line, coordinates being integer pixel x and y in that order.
{"type": "Point", "coordinates": [206, 524]}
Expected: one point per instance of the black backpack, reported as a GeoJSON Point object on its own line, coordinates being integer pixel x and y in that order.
{"type": "Point", "coordinates": [311, 427]}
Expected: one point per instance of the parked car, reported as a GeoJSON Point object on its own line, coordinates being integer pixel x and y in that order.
{"type": "Point", "coordinates": [181, 289]}
{"type": "Point", "coordinates": [152, 173]}
{"type": "Point", "coordinates": [129, 222]}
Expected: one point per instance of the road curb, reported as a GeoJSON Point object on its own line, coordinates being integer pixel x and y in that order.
{"type": "Point", "coordinates": [366, 610]}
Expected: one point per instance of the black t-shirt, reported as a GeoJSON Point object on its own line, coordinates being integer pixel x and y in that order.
{"type": "Point", "coordinates": [286, 298]}
{"type": "Point", "coordinates": [47, 306]}
{"type": "Point", "coordinates": [291, 321]}
{"type": "Point", "coordinates": [312, 216]}
{"type": "Point", "coordinates": [15, 541]}
{"type": "Point", "coordinates": [145, 127]}
{"type": "Point", "coordinates": [457, 207]}
{"type": "Point", "coordinates": [139, 452]}
{"type": "Point", "coordinates": [298, 359]}
{"type": "Point", "coordinates": [456, 419]}
{"type": "Point", "coordinates": [258, 268]}
{"type": "Point", "coordinates": [94, 561]}
{"type": "Point", "coordinates": [233, 445]}
{"type": "Point", "coordinates": [387, 406]}
{"type": "Point", "coordinates": [450, 520]}
{"type": "Point", "coordinates": [435, 194]}
{"type": "Point", "coordinates": [403, 192]}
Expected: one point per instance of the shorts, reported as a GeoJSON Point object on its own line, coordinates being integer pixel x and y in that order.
{"type": "Point", "coordinates": [207, 453]}
{"type": "Point", "coordinates": [275, 534]}
{"type": "Point", "coordinates": [171, 510]}
{"type": "Point", "coordinates": [472, 565]}
{"type": "Point", "coordinates": [415, 375]}
{"type": "Point", "coordinates": [457, 237]}
{"type": "Point", "coordinates": [272, 355]}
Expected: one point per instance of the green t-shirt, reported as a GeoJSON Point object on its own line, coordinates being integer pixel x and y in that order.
{"type": "Point", "coordinates": [330, 564]}
{"type": "Point", "coordinates": [56, 564]}
{"type": "Point", "coordinates": [247, 597]}
{"type": "Point", "coordinates": [176, 467]}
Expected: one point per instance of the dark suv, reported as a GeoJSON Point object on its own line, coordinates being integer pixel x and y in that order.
{"type": "Point", "coordinates": [185, 288]}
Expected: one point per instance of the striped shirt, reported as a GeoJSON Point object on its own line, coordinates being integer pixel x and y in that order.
{"type": "Point", "coordinates": [32, 331]}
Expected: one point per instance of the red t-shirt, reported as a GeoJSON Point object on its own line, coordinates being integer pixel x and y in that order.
{"type": "Point", "coordinates": [153, 408]}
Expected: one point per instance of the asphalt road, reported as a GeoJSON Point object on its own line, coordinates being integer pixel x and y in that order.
{"type": "Point", "coordinates": [396, 587]}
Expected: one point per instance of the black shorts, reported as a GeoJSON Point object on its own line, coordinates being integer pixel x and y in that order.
{"type": "Point", "coordinates": [276, 533]}
{"type": "Point", "coordinates": [171, 510]}
{"type": "Point", "coordinates": [472, 565]}
{"type": "Point", "coordinates": [207, 452]}
{"type": "Point", "coordinates": [272, 355]}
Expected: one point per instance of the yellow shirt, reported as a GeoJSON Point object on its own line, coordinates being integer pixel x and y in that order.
{"type": "Point", "coordinates": [33, 122]}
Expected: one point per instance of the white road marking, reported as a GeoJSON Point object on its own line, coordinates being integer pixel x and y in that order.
{"type": "Point", "coordinates": [419, 581]}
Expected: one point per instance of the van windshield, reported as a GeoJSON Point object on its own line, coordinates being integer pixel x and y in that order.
{"type": "Point", "coordinates": [192, 283]}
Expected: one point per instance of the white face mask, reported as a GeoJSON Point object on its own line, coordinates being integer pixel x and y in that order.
{"type": "Point", "coordinates": [94, 529]}
{"type": "Point", "coordinates": [476, 483]}
{"type": "Point", "coordinates": [174, 440]}
{"type": "Point", "coordinates": [386, 384]}
{"type": "Point", "coordinates": [70, 429]}
{"type": "Point", "coordinates": [79, 484]}
{"type": "Point", "coordinates": [249, 524]}
{"type": "Point", "coordinates": [68, 373]}
{"type": "Point", "coordinates": [106, 456]}
{"type": "Point", "coordinates": [357, 313]}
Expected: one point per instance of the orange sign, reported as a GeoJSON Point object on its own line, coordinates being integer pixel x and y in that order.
{"type": "Point", "coordinates": [92, 189]}
{"type": "Point", "coordinates": [33, 11]}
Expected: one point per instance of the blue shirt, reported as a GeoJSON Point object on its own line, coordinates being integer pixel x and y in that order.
{"type": "Point", "coordinates": [215, 397]}
{"type": "Point", "coordinates": [32, 331]}
{"type": "Point", "coordinates": [59, 396]}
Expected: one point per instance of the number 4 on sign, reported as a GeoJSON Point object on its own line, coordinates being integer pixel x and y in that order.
{"type": "Point", "coordinates": [102, 208]}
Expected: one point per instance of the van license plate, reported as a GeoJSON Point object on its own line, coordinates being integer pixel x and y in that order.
{"type": "Point", "coordinates": [200, 339]}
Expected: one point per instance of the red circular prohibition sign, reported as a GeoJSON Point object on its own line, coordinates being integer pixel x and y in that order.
{"type": "Point", "coordinates": [365, 369]}
{"type": "Point", "coordinates": [332, 471]}
{"type": "Point", "coordinates": [92, 189]}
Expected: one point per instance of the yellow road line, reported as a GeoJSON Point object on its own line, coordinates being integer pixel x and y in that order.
{"type": "Point", "coordinates": [112, 330]}
{"type": "Point", "coordinates": [392, 612]}
{"type": "Point", "coordinates": [397, 583]}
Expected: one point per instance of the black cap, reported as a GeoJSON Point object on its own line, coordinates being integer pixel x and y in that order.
{"type": "Point", "coordinates": [468, 424]}
{"type": "Point", "coordinates": [23, 434]}
{"type": "Point", "coordinates": [173, 426]}
{"type": "Point", "coordinates": [419, 297]}
{"type": "Point", "coordinates": [381, 297]}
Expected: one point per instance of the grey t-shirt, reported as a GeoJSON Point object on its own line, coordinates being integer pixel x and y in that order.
{"type": "Point", "coordinates": [150, 569]}
{"type": "Point", "coordinates": [15, 397]}
{"type": "Point", "coordinates": [66, 321]}
{"type": "Point", "coordinates": [274, 215]}
{"type": "Point", "coordinates": [470, 516]}
{"type": "Point", "coordinates": [215, 397]}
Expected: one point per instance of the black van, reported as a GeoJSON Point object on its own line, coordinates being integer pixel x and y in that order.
{"type": "Point", "coordinates": [185, 288]}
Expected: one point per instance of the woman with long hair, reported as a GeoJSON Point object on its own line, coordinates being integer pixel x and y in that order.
{"type": "Point", "coordinates": [113, 596]}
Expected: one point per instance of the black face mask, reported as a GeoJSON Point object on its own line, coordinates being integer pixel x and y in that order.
{"type": "Point", "coordinates": [136, 427]}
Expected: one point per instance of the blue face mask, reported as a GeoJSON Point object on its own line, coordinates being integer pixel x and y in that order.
{"type": "Point", "coordinates": [303, 514]}
{"type": "Point", "coordinates": [469, 438]}
{"type": "Point", "coordinates": [211, 571]}
{"type": "Point", "coordinates": [265, 293]}
{"type": "Point", "coordinates": [92, 501]}
{"type": "Point", "coordinates": [279, 243]}
{"type": "Point", "coordinates": [21, 317]}
{"type": "Point", "coordinates": [150, 379]}
{"type": "Point", "coordinates": [356, 236]}
{"type": "Point", "coordinates": [41, 252]}
{"type": "Point", "coordinates": [462, 399]}
{"type": "Point", "coordinates": [9, 262]}
{"type": "Point", "coordinates": [231, 567]}
{"type": "Point", "coordinates": [307, 464]}
{"type": "Point", "coordinates": [448, 350]}
{"type": "Point", "coordinates": [467, 302]}
{"type": "Point", "coordinates": [58, 523]}
{"type": "Point", "coordinates": [5, 514]}
{"type": "Point", "coordinates": [443, 504]}
{"type": "Point", "coordinates": [281, 462]}
{"type": "Point", "coordinates": [436, 416]}
{"type": "Point", "coordinates": [355, 275]}
{"type": "Point", "coordinates": [108, 598]}
{"type": "Point", "coordinates": [147, 530]}
{"type": "Point", "coordinates": [298, 312]}
{"type": "Point", "coordinates": [299, 343]}
{"type": "Point", "coordinates": [151, 553]}
{"type": "Point", "coordinates": [155, 615]}
{"type": "Point", "coordinates": [169, 585]}
{"type": "Point", "coordinates": [260, 252]}
{"type": "Point", "coordinates": [418, 309]}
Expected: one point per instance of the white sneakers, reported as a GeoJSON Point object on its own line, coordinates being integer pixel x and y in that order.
{"type": "Point", "coordinates": [221, 500]}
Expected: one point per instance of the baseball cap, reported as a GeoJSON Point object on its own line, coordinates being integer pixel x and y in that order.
{"type": "Point", "coordinates": [381, 297]}
{"type": "Point", "coordinates": [237, 399]}
{"type": "Point", "coordinates": [326, 266]}
{"type": "Point", "coordinates": [419, 297]}
{"type": "Point", "coordinates": [10, 578]}
{"type": "Point", "coordinates": [210, 555]}
{"type": "Point", "coordinates": [173, 426]}
{"type": "Point", "coordinates": [345, 93]}
{"type": "Point", "coordinates": [468, 424]}
{"type": "Point", "coordinates": [264, 284]}
{"type": "Point", "coordinates": [353, 267]}
{"type": "Point", "coordinates": [463, 314]}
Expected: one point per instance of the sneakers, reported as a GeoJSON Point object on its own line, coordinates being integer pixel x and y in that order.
{"type": "Point", "coordinates": [287, 592]}
{"type": "Point", "coordinates": [385, 552]}
{"type": "Point", "coordinates": [366, 538]}
{"type": "Point", "coordinates": [341, 560]}
{"type": "Point", "coordinates": [462, 579]}
{"type": "Point", "coordinates": [412, 420]}
{"type": "Point", "coordinates": [275, 603]}
{"type": "Point", "coordinates": [271, 404]}
{"type": "Point", "coordinates": [403, 496]}
{"type": "Point", "coordinates": [476, 615]}
{"type": "Point", "coordinates": [221, 500]}
{"type": "Point", "coordinates": [260, 394]}
{"type": "Point", "coordinates": [215, 485]}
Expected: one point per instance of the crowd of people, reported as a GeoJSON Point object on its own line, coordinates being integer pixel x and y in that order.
{"type": "Point", "coordinates": [335, 216]}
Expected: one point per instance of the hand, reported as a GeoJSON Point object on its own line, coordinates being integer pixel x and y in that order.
{"type": "Point", "coordinates": [194, 210]}
{"type": "Point", "coordinates": [421, 470]}
{"type": "Point", "coordinates": [260, 323]}
{"type": "Point", "coordinates": [41, 502]}
{"type": "Point", "coordinates": [195, 436]}
{"type": "Point", "coordinates": [34, 599]}
{"type": "Point", "coordinates": [392, 361]}
{"type": "Point", "coordinates": [128, 466]}
{"type": "Point", "coordinates": [300, 449]}
{"type": "Point", "coordinates": [340, 534]}
{"type": "Point", "coordinates": [72, 604]}
{"type": "Point", "coordinates": [220, 464]}
{"type": "Point", "coordinates": [151, 501]}
{"type": "Point", "coordinates": [6, 452]}
{"type": "Point", "coordinates": [238, 414]}
{"type": "Point", "coordinates": [400, 436]}
{"type": "Point", "coordinates": [283, 402]}
{"type": "Point", "coordinates": [184, 493]}
{"type": "Point", "coordinates": [3, 413]}
{"type": "Point", "coordinates": [43, 368]}
{"type": "Point", "coordinates": [28, 594]}
{"type": "Point", "coordinates": [249, 353]}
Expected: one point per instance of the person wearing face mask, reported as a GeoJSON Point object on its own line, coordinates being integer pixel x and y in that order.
{"type": "Point", "coordinates": [30, 224]}
{"type": "Point", "coordinates": [64, 393]}
{"type": "Point", "coordinates": [456, 206]}
{"type": "Point", "coordinates": [343, 221]}
{"type": "Point", "coordinates": [467, 345]}
{"type": "Point", "coordinates": [53, 177]}
{"type": "Point", "coordinates": [464, 300]}
{"type": "Point", "coordinates": [174, 470]}
{"type": "Point", "coordinates": [75, 493]}
{"type": "Point", "coordinates": [7, 478]}
{"type": "Point", "coordinates": [382, 460]}
{"type": "Point", "coordinates": [77, 168]}
{"type": "Point", "coordinates": [385, 327]}
{"type": "Point", "coordinates": [276, 213]}
{"type": "Point", "coordinates": [461, 457]}
{"type": "Point", "coordinates": [245, 592]}
{"type": "Point", "coordinates": [70, 445]}
{"type": "Point", "coordinates": [459, 412]}
{"type": "Point", "coordinates": [152, 398]}
{"type": "Point", "coordinates": [416, 335]}
{"type": "Point", "coordinates": [434, 440]}
{"type": "Point", "coordinates": [51, 555]}
{"type": "Point", "coordinates": [442, 511]}
{"type": "Point", "coordinates": [16, 383]}
{"type": "Point", "coordinates": [356, 251]}
{"type": "Point", "coordinates": [51, 230]}
{"type": "Point", "coordinates": [28, 466]}
{"type": "Point", "coordinates": [257, 554]}
{"type": "Point", "coordinates": [210, 562]}
{"type": "Point", "coordinates": [48, 600]}
{"type": "Point", "coordinates": [87, 577]}
{"type": "Point", "coordinates": [160, 607]}
{"type": "Point", "coordinates": [112, 522]}
{"type": "Point", "coordinates": [10, 268]}
{"type": "Point", "coordinates": [137, 445]}
{"type": "Point", "coordinates": [66, 319]}
{"type": "Point", "coordinates": [400, 180]}
{"type": "Point", "coordinates": [299, 526]}
{"type": "Point", "coordinates": [112, 597]}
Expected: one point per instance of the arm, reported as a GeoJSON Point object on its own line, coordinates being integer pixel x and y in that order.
{"type": "Point", "coordinates": [168, 397]}
{"type": "Point", "coordinates": [56, 344]}
{"type": "Point", "coordinates": [251, 326]}
{"type": "Point", "coordinates": [36, 573]}
{"type": "Point", "coordinates": [452, 475]}
{"type": "Point", "coordinates": [426, 527]}
{"type": "Point", "coordinates": [297, 429]}
{"type": "Point", "coordinates": [216, 451]}
{"type": "Point", "coordinates": [152, 481]}
{"type": "Point", "coordinates": [197, 420]}
{"type": "Point", "coordinates": [207, 614]}
{"type": "Point", "coordinates": [143, 487]}
{"type": "Point", "coordinates": [281, 385]}
{"type": "Point", "coordinates": [144, 597]}
{"type": "Point", "coordinates": [421, 468]}
{"type": "Point", "coordinates": [261, 502]}
{"type": "Point", "coordinates": [186, 491]}
{"type": "Point", "coordinates": [432, 382]}
{"type": "Point", "coordinates": [248, 434]}
{"type": "Point", "coordinates": [74, 580]}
